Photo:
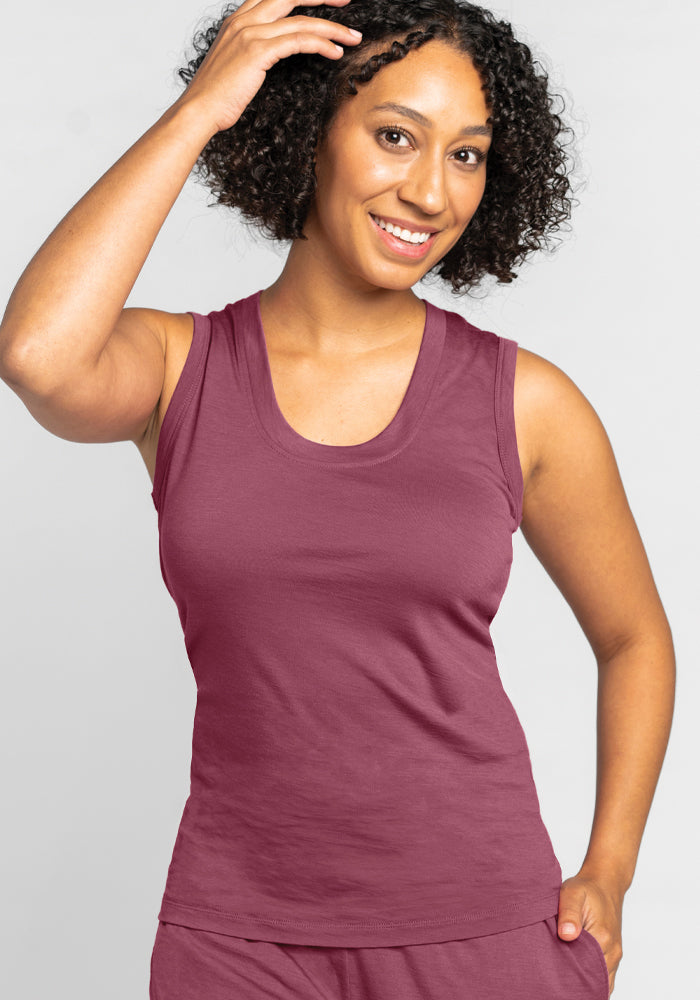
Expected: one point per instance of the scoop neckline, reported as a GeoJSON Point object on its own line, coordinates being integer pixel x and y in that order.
{"type": "Point", "coordinates": [392, 439]}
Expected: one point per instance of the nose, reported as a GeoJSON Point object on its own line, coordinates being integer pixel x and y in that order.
{"type": "Point", "coordinates": [424, 185]}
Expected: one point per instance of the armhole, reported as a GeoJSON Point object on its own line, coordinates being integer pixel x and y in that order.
{"type": "Point", "coordinates": [185, 388]}
{"type": "Point", "coordinates": [505, 425]}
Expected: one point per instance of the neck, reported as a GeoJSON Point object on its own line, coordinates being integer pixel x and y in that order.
{"type": "Point", "coordinates": [325, 310]}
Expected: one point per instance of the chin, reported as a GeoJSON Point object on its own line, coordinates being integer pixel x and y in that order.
{"type": "Point", "coordinates": [393, 283]}
{"type": "Point", "coordinates": [397, 279]}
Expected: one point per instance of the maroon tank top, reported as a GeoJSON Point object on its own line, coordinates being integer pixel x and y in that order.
{"type": "Point", "coordinates": [359, 776]}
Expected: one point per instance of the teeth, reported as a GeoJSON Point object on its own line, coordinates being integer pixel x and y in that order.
{"type": "Point", "coordinates": [403, 234]}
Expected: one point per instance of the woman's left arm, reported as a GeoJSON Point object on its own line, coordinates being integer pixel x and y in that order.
{"type": "Point", "coordinates": [577, 521]}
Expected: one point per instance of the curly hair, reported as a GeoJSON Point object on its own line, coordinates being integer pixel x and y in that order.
{"type": "Point", "coordinates": [264, 164]}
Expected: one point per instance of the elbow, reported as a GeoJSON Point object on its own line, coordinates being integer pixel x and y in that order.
{"type": "Point", "coordinates": [25, 363]}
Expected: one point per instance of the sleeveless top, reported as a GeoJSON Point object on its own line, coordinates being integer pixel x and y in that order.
{"type": "Point", "coordinates": [359, 777]}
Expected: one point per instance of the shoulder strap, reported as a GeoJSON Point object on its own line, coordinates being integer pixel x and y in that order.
{"type": "Point", "coordinates": [505, 424]}
{"type": "Point", "coordinates": [186, 386]}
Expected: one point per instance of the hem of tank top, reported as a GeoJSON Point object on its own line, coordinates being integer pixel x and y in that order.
{"type": "Point", "coordinates": [505, 432]}
{"type": "Point", "coordinates": [308, 460]}
{"type": "Point", "coordinates": [362, 934]}
{"type": "Point", "coordinates": [181, 397]}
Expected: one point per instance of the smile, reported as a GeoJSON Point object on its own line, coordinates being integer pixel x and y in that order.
{"type": "Point", "coordinates": [402, 241]}
{"type": "Point", "coordinates": [403, 234]}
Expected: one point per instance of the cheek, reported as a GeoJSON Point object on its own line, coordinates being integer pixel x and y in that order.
{"type": "Point", "coordinates": [469, 196]}
{"type": "Point", "coordinates": [348, 184]}
{"type": "Point", "coordinates": [377, 172]}
{"type": "Point", "coordinates": [360, 179]}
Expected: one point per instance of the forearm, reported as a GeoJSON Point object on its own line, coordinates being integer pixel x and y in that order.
{"type": "Point", "coordinates": [69, 297]}
{"type": "Point", "coordinates": [636, 692]}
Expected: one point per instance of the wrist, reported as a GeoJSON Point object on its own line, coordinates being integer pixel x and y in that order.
{"type": "Point", "coordinates": [613, 878]}
{"type": "Point", "coordinates": [193, 119]}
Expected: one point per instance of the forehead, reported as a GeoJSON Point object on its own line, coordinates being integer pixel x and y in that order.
{"type": "Point", "coordinates": [437, 79]}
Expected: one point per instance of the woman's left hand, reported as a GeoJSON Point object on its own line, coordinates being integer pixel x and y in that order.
{"type": "Point", "coordinates": [591, 903]}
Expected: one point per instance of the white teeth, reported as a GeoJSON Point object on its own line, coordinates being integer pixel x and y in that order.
{"type": "Point", "coordinates": [403, 234]}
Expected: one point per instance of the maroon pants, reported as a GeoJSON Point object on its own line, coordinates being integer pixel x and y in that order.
{"type": "Point", "coordinates": [528, 963]}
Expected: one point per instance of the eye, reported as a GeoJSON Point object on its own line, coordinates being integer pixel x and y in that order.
{"type": "Point", "coordinates": [478, 154]}
{"type": "Point", "coordinates": [395, 133]}
{"type": "Point", "coordinates": [391, 136]}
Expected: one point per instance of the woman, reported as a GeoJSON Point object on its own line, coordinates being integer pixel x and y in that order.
{"type": "Point", "coordinates": [338, 467]}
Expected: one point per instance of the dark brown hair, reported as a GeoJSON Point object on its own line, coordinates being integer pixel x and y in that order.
{"type": "Point", "coordinates": [264, 165]}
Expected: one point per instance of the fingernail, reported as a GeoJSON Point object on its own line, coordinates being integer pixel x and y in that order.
{"type": "Point", "coordinates": [353, 31]}
{"type": "Point", "coordinates": [566, 928]}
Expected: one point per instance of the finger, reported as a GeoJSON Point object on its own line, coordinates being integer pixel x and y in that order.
{"type": "Point", "coordinates": [292, 43]}
{"type": "Point", "coordinates": [272, 10]}
{"type": "Point", "coordinates": [569, 923]}
{"type": "Point", "coordinates": [310, 25]}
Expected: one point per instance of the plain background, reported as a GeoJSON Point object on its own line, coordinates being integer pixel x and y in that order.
{"type": "Point", "coordinates": [98, 695]}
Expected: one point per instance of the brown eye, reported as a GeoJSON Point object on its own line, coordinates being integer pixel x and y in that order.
{"type": "Point", "coordinates": [394, 133]}
{"type": "Point", "coordinates": [474, 151]}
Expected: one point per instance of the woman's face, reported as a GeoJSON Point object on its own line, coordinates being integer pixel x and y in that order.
{"type": "Point", "coordinates": [419, 164]}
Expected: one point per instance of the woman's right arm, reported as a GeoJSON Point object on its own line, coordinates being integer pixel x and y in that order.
{"type": "Point", "coordinates": [87, 368]}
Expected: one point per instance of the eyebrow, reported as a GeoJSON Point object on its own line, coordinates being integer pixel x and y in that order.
{"type": "Point", "coordinates": [400, 109]}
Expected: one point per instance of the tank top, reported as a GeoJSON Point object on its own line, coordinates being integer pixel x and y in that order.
{"type": "Point", "coordinates": [359, 777]}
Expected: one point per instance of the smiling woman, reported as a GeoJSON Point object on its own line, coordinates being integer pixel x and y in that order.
{"type": "Point", "coordinates": [339, 467]}
{"type": "Point", "coordinates": [264, 165]}
{"type": "Point", "coordinates": [363, 173]}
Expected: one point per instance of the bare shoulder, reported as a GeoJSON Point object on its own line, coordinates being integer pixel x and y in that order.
{"type": "Point", "coordinates": [552, 414]}
{"type": "Point", "coordinates": [576, 515]}
{"type": "Point", "coordinates": [175, 331]}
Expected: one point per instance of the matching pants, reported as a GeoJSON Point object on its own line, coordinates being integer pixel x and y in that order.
{"type": "Point", "coordinates": [528, 963]}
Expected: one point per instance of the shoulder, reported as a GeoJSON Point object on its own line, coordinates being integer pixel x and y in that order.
{"type": "Point", "coordinates": [553, 417]}
{"type": "Point", "coordinates": [175, 332]}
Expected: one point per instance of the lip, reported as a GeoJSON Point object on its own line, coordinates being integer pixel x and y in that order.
{"type": "Point", "coordinates": [412, 250]}
{"type": "Point", "coordinates": [413, 227]}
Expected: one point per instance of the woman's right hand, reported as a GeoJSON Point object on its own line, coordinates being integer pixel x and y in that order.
{"type": "Point", "coordinates": [251, 40]}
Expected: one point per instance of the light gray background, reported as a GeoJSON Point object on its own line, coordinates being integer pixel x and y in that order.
{"type": "Point", "coordinates": [98, 695]}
